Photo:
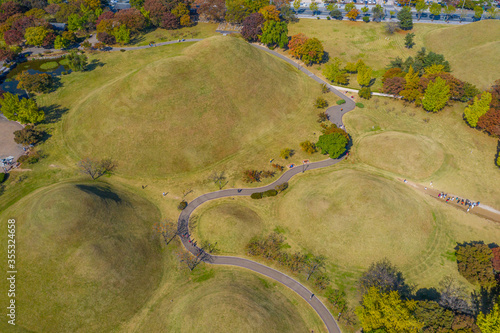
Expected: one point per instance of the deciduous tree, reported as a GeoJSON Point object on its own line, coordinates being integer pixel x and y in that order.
{"type": "Point", "coordinates": [270, 13]}
{"type": "Point", "coordinates": [353, 14]}
{"type": "Point", "coordinates": [412, 87]}
{"type": "Point", "coordinates": [252, 26]}
{"type": "Point", "coordinates": [332, 144]}
{"type": "Point", "coordinates": [364, 76]}
{"type": "Point", "coordinates": [334, 72]}
{"type": "Point", "coordinates": [490, 323]}
{"type": "Point", "coordinates": [435, 10]}
{"type": "Point", "coordinates": [420, 6]}
{"type": "Point", "coordinates": [212, 10]}
{"type": "Point", "coordinates": [475, 263]}
{"type": "Point", "coordinates": [385, 277]}
{"type": "Point", "coordinates": [35, 35]}
{"type": "Point", "coordinates": [275, 33]}
{"type": "Point", "coordinates": [312, 51]}
{"type": "Point", "coordinates": [96, 168]}
{"type": "Point", "coordinates": [479, 107]}
{"type": "Point", "coordinates": [436, 95]}
{"type": "Point", "coordinates": [38, 83]}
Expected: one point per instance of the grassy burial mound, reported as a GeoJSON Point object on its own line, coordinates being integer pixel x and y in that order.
{"type": "Point", "coordinates": [177, 114]}
{"type": "Point", "coordinates": [471, 49]}
{"type": "Point", "coordinates": [85, 256]}
{"type": "Point", "coordinates": [226, 299]}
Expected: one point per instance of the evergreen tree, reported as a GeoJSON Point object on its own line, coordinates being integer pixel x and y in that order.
{"type": "Point", "coordinates": [275, 33]}
{"type": "Point", "coordinates": [405, 19]}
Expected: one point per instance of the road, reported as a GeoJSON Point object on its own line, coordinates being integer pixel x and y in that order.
{"type": "Point", "coordinates": [335, 114]}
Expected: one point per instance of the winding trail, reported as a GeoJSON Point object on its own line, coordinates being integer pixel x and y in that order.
{"type": "Point", "coordinates": [335, 114]}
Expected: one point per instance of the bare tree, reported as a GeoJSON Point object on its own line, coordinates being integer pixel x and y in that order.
{"type": "Point", "coordinates": [186, 192]}
{"type": "Point", "coordinates": [96, 168]}
{"type": "Point", "coordinates": [192, 261]}
{"type": "Point", "coordinates": [454, 296]}
{"type": "Point", "coordinates": [385, 277]}
{"type": "Point", "coordinates": [219, 179]}
{"type": "Point", "coordinates": [167, 229]}
{"type": "Point", "coordinates": [314, 263]}
{"type": "Point", "coordinates": [390, 27]}
{"type": "Point", "coordinates": [209, 247]}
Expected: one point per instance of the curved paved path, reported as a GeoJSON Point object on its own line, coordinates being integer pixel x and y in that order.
{"type": "Point", "coordinates": [335, 114]}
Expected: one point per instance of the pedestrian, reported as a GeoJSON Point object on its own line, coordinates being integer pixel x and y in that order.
{"type": "Point", "coordinates": [312, 295]}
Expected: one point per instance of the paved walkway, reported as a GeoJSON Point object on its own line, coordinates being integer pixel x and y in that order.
{"type": "Point", "coordinates": [335, 114]}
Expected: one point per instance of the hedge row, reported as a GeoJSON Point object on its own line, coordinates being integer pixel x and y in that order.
{"type": "Point", "coordinates": [260, 195]}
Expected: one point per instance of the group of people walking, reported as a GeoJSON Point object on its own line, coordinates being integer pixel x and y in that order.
{"type": "Point", "coordinates": [459, 201]}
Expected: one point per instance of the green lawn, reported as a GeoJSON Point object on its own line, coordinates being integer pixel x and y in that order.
{"type": "Point", "coordinates": [358, 212]}
{"type": "Point", "coordinates": [351, 41]}
{"type": "Point", "coordinates": [200, 30]}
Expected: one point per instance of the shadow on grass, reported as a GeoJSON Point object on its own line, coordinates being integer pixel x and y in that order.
{"type": "Point", "coordinates": [94, 64]}
{"type": "Point", "coordinates": [101, 192]}
{"type": "Point", "coordinates": [53, 113]}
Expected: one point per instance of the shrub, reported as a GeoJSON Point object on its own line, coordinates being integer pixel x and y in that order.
{"type": "Point", "coordinates": [322, 117]}
{"type": "Point", "coordinates": [360, 105]}
{"type": "Point", "coordinates": [268, 174]}
{"type": "Point", "coordinates": [29, 159]}
{"type": "Point", "coordinates": [282, 187]}
{"type": "Point", "coordinates": [270, 193]}
{"type": "Point", "coordinates": [257, 195]}
{"type": "Point", "coordinates": [286, 153]}
{"type": "Point", "coordinates": [366, 19]}
{"type": "Point", "coordinates": [308, 146]}
{"type": "Point", "coordinates": [278, 167]}
{"type": "Point", "coordinates": [28, 136]}
{"type": "Point", "coordinates": [320, 103]}
{"type": "Point", "coordinates": [251, 176]}
{"type": "Point", "coordinates": [182, 205]}
{"type": "Point", "coordinates": [365, 93]}
{"type": "Point", "coordinates": [328, 18]}
{"type": "Point", "coordinates": [342, 101]}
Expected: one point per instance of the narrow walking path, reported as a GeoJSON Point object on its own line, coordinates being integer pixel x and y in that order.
{"type": "Point", "coordinates": [335, 114]}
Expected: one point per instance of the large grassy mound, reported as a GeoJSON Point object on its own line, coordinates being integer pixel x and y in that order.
{"type": "Point", "coordinates": [471, 49]}
{"type": "Point", "coordinates": [178, 114]}
{"type": "Point", "coordinates": [85, 258]}
{"type": "Point", "coordinates": [226, 299]}
{"type": "Point", "coordinates": [408, 155]}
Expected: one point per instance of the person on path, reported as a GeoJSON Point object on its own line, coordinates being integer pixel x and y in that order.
{"type": "Point", "coordinates": [312, 295]}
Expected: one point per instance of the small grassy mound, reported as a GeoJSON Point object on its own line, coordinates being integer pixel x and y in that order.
{"type": "Point", "coordinates": [178, 114]}
{"type": "Point", "coordinates": [240, 224]}
{"type": "Point", "coordinates": [471, 49]}
{"type": "Point", "coordinates": [49, 65]}
{"type": "Point", "coordinates": [412, 156]}
{"type": "Point", "coordinates": [86, 257]}
{"type": "Point", "coordinates": [231, 300]}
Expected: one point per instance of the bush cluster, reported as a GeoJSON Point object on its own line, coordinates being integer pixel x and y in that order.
{"type": "Point", "coordinates": [342, 101]}
{"type": "Point", "coordinates": [260, 195]}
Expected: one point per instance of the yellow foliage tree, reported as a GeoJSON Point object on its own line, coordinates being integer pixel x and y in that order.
{"type": "Point", "coordinates": [270, 13]}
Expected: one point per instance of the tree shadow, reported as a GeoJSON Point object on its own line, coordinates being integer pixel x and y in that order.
{"type": "Point", "coordinates": [430, 294]}
{"type": "Point", "coordinates": [53, 113]}
{"type": "Point", "coordinates": [101, 192]}
{"type": "Point", "coordinates": [94, 64]}
{"type": "Point", "coordinates": [485, 299]}
{"type": "Point", "coordinates": [325, 58]}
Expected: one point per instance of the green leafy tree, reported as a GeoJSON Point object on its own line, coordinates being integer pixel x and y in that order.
{"type": "Point", "coordinates": [492, 12]}
{"type": "Point", "coordinates": [409, 43]}
{"type": "Point", "coordinates": [286, 153]}
{"type": "Point", "coordinates": [478, 108]}
{"type": "Point", "coordinates": [35, 35]}
{"type": "Point", "coordinates": [122, 34]}
{"type": "Point", "coordinates": [275, 33]}
{"type": "Point", "coordinates": [236, 11]}
{"type": "Point", "coordinates": [311, 51]}
{"type": "Point", "coordinates": [478, 12]}
{"type": "Point", "coordinates": [412, 87]}
{"type": "Point", "coordinates": [38, 83]}
{"type": "Point", "coordinates": [10, 103]}
{"type": "Point", "coordinates": [449, 10]}
{"type": "Point", "coordinates": [296, 5]}
{"type": "Point", "coordinates": [387, 312]}
{"type": "Point", "coordinates": [436, 95]}
{"type": "Point", "coordinates": [364, 76]}
{"type": "Point", "coordinates": [77, 62]}
{"type": "Point", "coordinates": [333, 144]}
{"type": "Point", "coordinates": [378, 13]}
{"type": "Point", "coordinates": [435, 10]}
{"type": "Point", "coordinates": [365, 9]}
{"type": "Point", "coordinates": [475, 263]}
{"type": "Point", "coordinates": [420, 6]}
{"type": "Point", "coordinates": [405, 19]}
{"type": "Point", "coordinates": [308, 146]}
{"type": "Point", "coordinates": [334, 72]}
{"type": "Point", "coordinates": [435, 317]}
{"type": "Point", "coordinates": [28, 112]}
{"type": "Point", "coordinates": [320, 103]}
{"type": "Point", "coordinates": [29, 135]}
{"type": "Point", "coordinates": [313, 7]}
{"type": "Point", "coordinates": [365, 93]}
{"type": "Point", "coordinates": [61, 43]}
{"type": "Point", "coordinates": [490, 323]}
{"type": "Point", "coordinates": [76, 22]}
{"type": "Point", "coordinates": [350, 6]}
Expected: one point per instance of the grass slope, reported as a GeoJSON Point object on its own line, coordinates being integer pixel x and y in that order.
{"type": "Point", "coordinates": [219, 99]}
{"type": "Point", "coordinates": [85, 258]}
{"type": "Point", "coordinates": [471, 49]}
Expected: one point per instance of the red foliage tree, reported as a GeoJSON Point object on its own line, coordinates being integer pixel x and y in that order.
{"type": "Point", "coordinates": [490, 122]}
{"type": "Point", "coordinates": [156, 9]}
{"type": "Point", "coordinates": [169, 21]}
{"type": "Point", "coordinates": [212, 10]}
{"type": "Point", "coordinates": [8, 9]}
{"type": "Point", "coordinates": [48, 41]}
{"type": "Point", "coordinates": [252, 26]}
{"type": "Point", "coordinates": [393, 72]}
{"type": "Point", "coordinates": [295, 44]}
{"type": "Point", "coordinates": [13, 37]}
{"type": "Point", "coordinates": [456, 86]}
{"type": "Point", "coordinates": [106, 38]}
{"type": "Point", "coordinates": [109, 15]}
{"type": "Point", "coordinates": [496, 258]}
{"type": "Point", "coordinates": [7, 55]}
{"type": "Point", "coordinates": [23, 23]}
{"type": "Point", "coordinates": [52, 9]}
{"type": "Point", "coordinates": [132, 18]}
{"type": "Point", "coordinates": [495, 94]}
{"type": "Point", "coordinates": [394, 85]}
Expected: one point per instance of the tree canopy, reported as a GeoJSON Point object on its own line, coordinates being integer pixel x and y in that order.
{"type": "Point", "coordinates": [436, 95]}
{"type": "Point", "coordinates": [332, 144]}
{"type": "Point", "coordinates": [479, 107]}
